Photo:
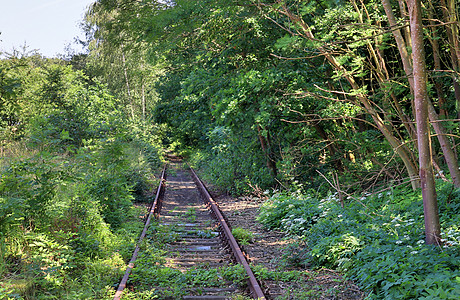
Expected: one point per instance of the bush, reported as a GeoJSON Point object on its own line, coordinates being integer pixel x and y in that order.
{"type": "Point", "coordinates": [60, 215]}
{"type": "Point", "coordinates": [58, 130]}
{"type": "Point", "coordinates": [293, 212]}
{"type": "Point", "coordinates": [234, 163]}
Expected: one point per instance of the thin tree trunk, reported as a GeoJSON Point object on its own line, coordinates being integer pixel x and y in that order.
{"type": "Point", "coordinates": [271, 165]}
{"type": "Point", "coordinates": [432, 227]}
{"type": "Point", "coordinates": [402, 47]}
{"type": "Point", "coordinates": [143, 101]}
{"type": "Point", "coordinates": [437, 63]}
{"type": "Point", "coordinates": [446, 146]}
{"type": "Point", "coordinates": [128, 90]}
{"type": "Point", "coordinates": [403, 14]}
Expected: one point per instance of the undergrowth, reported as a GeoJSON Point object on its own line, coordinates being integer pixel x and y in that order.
{"type": "Point", "coordinates": [376, 240]}
{"type": "Point", "coordinates": [67, 220]}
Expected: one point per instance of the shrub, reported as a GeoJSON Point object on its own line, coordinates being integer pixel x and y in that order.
{"type": "Point", "coordinates": [234, 162]}
{"type": "Point", "coordinates": [293, 212]}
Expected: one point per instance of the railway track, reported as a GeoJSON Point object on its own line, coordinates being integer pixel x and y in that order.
{"type": "Point", "coordinates": [200, 254]}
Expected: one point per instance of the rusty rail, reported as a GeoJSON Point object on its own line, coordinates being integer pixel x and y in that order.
{"type": "Point", "coordinates": [153, 210]}
{"type": "Point", "coordinates": [239, 256]}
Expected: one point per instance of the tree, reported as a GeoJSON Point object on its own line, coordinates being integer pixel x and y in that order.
{"type": "Point", "coordinates": [118, 53]}
{"type": "Point", "coordinates": [432, 227]}
{"type": "Point", "coordinates": [347, 62]}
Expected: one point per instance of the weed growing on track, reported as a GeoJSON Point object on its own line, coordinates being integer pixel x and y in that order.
{"type": "Point", "coordinates": [263, 273]}
{"type": "Point", "coordinates": [243, 236]}
{"type": "Point", "coordinates": [376, 240]}
{"type": "Point", "coordinates": [191, 214]}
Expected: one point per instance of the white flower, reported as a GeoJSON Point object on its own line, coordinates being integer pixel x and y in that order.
{"type": "Point", "coordinates": [398, 242]}
{"type": "Point", "coordinates": [414, 252]}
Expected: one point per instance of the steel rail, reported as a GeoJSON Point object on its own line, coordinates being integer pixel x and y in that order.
{"type": "Point", "coordinates": [239, 256]}
{"type": "Point", "coordinates": [153, 210]}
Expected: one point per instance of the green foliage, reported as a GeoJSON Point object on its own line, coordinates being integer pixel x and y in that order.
{"type": "Point", "coordinates": [234, 163]}
{"type": "Point", "coordinates": [376, 240]}
{"type": "Point", "coordinates": [32, 185]}
{"type": "Point", "coordinates": [243, 236]}
{"type": "Point", "coordinates": [294, 212]}
{"type": "Point", "coordinates": [63, 214]}
{"type": "Point", "coordinates": [263, 273]}
{"type": "Point", "coordinates": [9, 108]}
{"type": "Point", "coordinates": [74, 219]}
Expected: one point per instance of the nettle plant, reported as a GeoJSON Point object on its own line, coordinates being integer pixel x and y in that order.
{"type": "Point", "coordinates": [377, 240]}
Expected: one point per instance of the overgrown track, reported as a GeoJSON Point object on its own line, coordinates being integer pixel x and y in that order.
{"type": "Point", "coordinates": [154, 208]}
{"type": "Point", "coordinates": [203, 240]}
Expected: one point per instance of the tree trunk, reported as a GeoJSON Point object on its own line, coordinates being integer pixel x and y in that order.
{"type": "Point", "coordinates": [143, 101]}
{"type": "Point", "coordinates": [446, 146]}
{"type": "Point", "coordinates": [271, 165]}
{"type": "Point", "coordinates": [125, 71]}
{"type": "Point", "coordinates": [403, 14]}
{"type": "Point", "coordinates": [437, 63]}
{"type": "Point", "coordinates": [432, 227]}
{"type": "Point", "coordinates": [402, 47]}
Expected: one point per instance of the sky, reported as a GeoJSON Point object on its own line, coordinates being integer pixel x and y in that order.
{"type": "Point", "coordinates": [44, 25]}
